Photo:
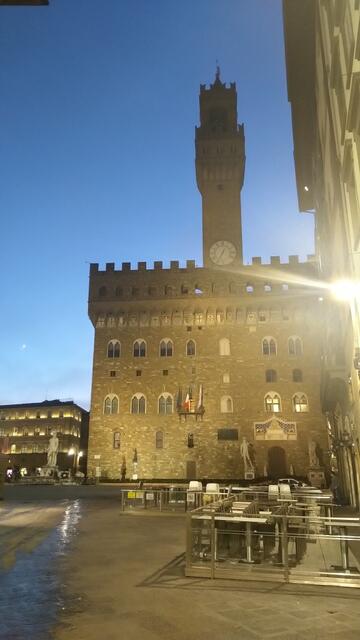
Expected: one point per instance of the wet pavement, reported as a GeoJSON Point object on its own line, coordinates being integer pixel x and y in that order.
{"type": "Point", "coordinates": [76, 567]}
{"type": "Point", "coordinates": [32, 539]}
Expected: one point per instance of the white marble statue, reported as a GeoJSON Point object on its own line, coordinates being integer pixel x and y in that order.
{"type": "Point", "coordinates": [244, 450]}
{"type": "Point", "coordinates": [313, 459]}
{"type": "Point", "coordinates": [52, 450]}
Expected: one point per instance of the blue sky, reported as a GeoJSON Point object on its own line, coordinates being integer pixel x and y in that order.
{"type": "Point", "coordinates": [99, 101]}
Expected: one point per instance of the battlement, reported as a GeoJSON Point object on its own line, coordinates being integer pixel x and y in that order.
{"type": "Point", "coordinates": [158, 265]}
{"type": "Point", "coordinates": [223, 85]}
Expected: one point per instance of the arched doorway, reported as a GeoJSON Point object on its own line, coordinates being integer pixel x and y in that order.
{"type": "Point", "coordinates": [277, 467]}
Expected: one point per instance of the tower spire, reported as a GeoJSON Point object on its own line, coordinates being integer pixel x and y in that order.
{"type": "Point", "coordinates": [217, 73]}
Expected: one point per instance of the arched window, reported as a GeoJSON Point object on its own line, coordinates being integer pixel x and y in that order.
{"type": "Point", "coordinates": [165, 403]}
{"type": "Point", "coordinates": [139, 348]}
{"type": "Point", "coordinates": [224, 347]}
{"type": "Point", "coordinates": [272, 402]}
{"type": "Point", "coordinates": [114, 349]}
{"type": "Point", "coordinates": [226, 404]}
{"type": "Point", "coordinates": [190, 348]}
{"type": "Point", "coordinates": [159, 440]}
{"type": "Point", "coordinates": [269, 346]}
{"type": "Point", "coordinates": [138, 403]}
{"type": "Point", "coordinates": [295, 346]}
{"type": "Point", "coordinates": [166, 348]}
{"type": "Point", "coordinates": [118, 292]}
{"type": "Point", "coordinates": [190, 440]}
{"type": "Point", "coordinates": [297, 375]}
{"type": "Point", "coordinates": [111, 404]}
{"type": "Point", "coordinates": [300, 403]}
{"type": "Point", "coordinates": [270, 375]}
{"type": "Point", "coordinates": [102, 291]}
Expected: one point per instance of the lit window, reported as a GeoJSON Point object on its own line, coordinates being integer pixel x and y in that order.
{"type": "Point", "coordinates": [226, 404]}
{"type": "Point", "coordinates": [270, 375]}
{"type": "Point", "coordinates": [166, 348]}
{"type": "Point", "coordinates": [13, 448]}
{"type": "Point", "coordinates": [224, 347]}
{"type": "Point", "coordinates": [269, 346]}
{"type": "Point", "coordinates": [139, 349]}
{"type": "Point", "coordinates": [165, 404]}
{"type": "Point", "coordinates": [159, 440]}
{"type": "Point", "coordinates": [295, 346]}
{"type": "Point", "coordinates": [116, 440]}
{"type": "Point", "coordinates": [300, 403]}
{"type": "Point", "coordinates": [111, 404]}
{"type": "Point", "coordinates": [272, 402]}
{"type": "Point", "coordinates": [190, 348]}
{"type": "Point", "coordinates": [138, 403]}
{"type": "Point", "coordinates": [226, 378]}
{"type": "Point", "coordinates": [267, 288]}
{"type": "Point", "coordinates": [114, 349]}
{"type": "Point", "coordinates": [297, 375]}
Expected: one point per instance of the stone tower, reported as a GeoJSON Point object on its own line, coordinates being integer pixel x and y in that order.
{"type": "Point", "coordinates": [220, 163]}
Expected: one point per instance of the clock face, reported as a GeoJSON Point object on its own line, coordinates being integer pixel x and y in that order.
{"type": "Point", "coordinates": [222, 252]}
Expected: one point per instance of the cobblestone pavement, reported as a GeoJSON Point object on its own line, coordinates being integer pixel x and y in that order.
{"type": "Point", "coordinates": [81, 569]}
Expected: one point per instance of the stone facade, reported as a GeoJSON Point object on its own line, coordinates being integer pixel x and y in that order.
{"type": "Point", "coordinates": [165, 408]}
{"type": "Point", "coordinates": [324, 90]}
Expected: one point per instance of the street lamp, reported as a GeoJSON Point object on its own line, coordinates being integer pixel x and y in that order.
{"type": "Point", "coordinates": [72, 452]}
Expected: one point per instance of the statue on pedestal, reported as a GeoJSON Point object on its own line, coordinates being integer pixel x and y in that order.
{"type": "Point", "coordinates": [313, 458]}
{"type": "Point", "coordinates": [135, 464]}
{"type": "Point", "coordinates": [52, 450]}
{"type": "Point", "coordinates": [245, 454]}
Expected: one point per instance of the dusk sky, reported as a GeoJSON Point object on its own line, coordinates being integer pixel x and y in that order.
{"type": "Point", "coordinates": [98, 104]}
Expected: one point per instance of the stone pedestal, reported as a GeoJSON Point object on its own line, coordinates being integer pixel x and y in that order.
{"type": "Point", "coordinates": [50, 472]}
{"type": "Point", "coordinates": [316, 477]}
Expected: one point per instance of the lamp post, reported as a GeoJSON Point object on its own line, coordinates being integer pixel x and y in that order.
{"type": "Point", "coordinates": [72, 452]}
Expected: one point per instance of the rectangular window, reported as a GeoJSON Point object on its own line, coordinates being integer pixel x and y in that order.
{"type": "Point", "coordinates": [116, 440]}
{"type": "Point", "coordinates": [138, 372]}
{"type": "Point", "coordinates": [165, 372]}
{"type": "Point", "coordinates": [112, 374]}
{"type": "Point", "coordinates": [228, 434]}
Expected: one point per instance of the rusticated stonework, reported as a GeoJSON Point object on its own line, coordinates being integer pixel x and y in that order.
{"type": "Point", "coordinates": [188, 360]}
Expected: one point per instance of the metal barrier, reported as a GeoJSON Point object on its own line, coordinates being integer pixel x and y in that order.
{"type": "Point", "coordinates": [297, 541]}
{"type": "Point", "coordinates": [167, 499]}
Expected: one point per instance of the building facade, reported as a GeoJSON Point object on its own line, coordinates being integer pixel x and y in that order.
{"type": "Point", "coordinates": [189, 361]}
{"type": "Point", "coordinates": [25, 430]}
{"type": "Point", "coordinates": [322, 46]}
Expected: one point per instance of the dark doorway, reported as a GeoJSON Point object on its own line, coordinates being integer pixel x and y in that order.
{"type": "Point", "coordinates": [277, 462]}
{"type": "Point", "coordinates": [191, 470]}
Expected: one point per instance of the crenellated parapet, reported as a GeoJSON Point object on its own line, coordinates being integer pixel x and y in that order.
{"type": "Point", "coordinates": [191, 294]}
